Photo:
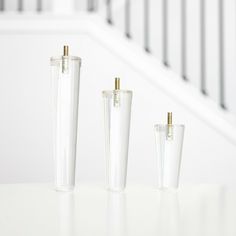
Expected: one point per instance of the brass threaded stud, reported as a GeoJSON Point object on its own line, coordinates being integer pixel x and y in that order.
{"type": "Point", "coordinates": [169, 118]}
{"type": "Point", "coordinates": [117, 83]}
{"type": "Point", "coordinates": [66, 50]}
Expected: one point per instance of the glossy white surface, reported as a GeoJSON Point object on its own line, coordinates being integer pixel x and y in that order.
{"type": "Point", "coordinates": [37, 209]}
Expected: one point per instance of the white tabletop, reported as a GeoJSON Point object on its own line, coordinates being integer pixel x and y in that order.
{"type": "Point", "coordinates": [36, 209]}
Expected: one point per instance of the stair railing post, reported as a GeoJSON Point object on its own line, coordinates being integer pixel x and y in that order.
{"type": "Point", "coordinates": [165, 32]}
{"type": "Point", "coordinates": [202, 48]}
{"type": "Point", "coordinates": [221, 55]}
{"type": "Point", "coordinates": [146, 26]}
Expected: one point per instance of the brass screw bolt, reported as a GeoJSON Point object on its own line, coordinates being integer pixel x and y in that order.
{"type": "Point", "coordinates": [66, 50]}
{"type": "Point", "coordinates": [169, 118]}
{"type": "Point", "coordinates": [117, 83]}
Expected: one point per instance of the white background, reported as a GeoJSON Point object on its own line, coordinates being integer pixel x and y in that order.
{"type": "Point", "coordinates": [25, 121]}
{"type": "Point", "coordinates": [26, 126]}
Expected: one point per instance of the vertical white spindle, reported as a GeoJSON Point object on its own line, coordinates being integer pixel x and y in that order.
{"type": "Point", "coordinates": [63, 6]}
{"type": "Point", "coordinates": [118, 14]}
{"type": "Point", "coordinates": [174, 35]}
{"type": "Point", "coordinates": [193, 42]}
{"type": "Point", "coordinates": [29, 5]}
{"type": "Point", "coordinates": [137, 21]}
{"type": "Point", "coordinates": [230, 54]}
{"type": "Point", "coordinates": [212, 48]}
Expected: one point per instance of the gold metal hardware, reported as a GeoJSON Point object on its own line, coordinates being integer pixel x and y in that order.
{"type": "Point", "coordinates": [116, 92]}
{"type": "Point", "coordinates": [66, 51]}
{"type": "Point", "coordinates": [169, 118]}
{"type": "Point", "coordinates": [117, 83]}
{"type": "Point", "coordinates": [169, 126]}
{"type": "Point", "coordinates": [65, 60]}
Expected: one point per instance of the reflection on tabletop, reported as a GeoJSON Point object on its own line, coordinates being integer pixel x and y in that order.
{"type": "Point", "coordinates": [31, 209]}
{"type": "Point", "coordinates": [116, 214]}
{"type": "Point", "coordinates": [66, 208]}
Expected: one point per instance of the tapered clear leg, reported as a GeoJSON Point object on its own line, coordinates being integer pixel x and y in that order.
{"type": "Point", "coordinates": [65, 81]}
{"type": "Point", "coordinates": [117, 110]}
{"type": "Point", "coordinates": [169, 142]}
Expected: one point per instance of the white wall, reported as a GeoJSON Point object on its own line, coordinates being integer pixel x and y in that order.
{"type": "Point", "coordinates": [25, 120]}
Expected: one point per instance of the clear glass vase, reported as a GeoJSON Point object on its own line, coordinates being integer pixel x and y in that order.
{"type": "Point", "coordinates": [169, 142]}
{"type": "Point", "coordinates": [117, 111]}
{"type": "Point", "coordinates": [65, 73]}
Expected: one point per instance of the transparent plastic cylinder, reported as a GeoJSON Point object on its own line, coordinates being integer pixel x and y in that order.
{"type": "Point", "coordinates": [169, 143]}
{"type": "Point", "coordinates": [65, 73]}
{"type": "Point", "coordinates": [117, 112]}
